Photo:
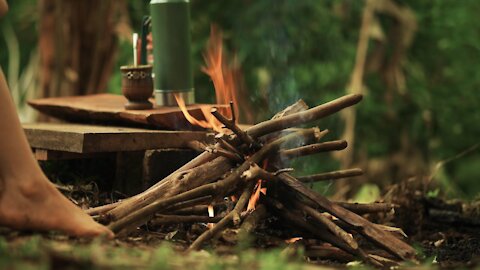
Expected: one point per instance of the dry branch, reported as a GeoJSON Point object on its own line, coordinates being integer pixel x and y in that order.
{"type": "Point", "coordinates": [230, 218]}
{"type": "Point", "coordinates": [314, 149]}
{"type": "Point", "coordinates": [252, 220]}
{"type": "Point", "coordinates": [173, 184]}
{"type": "Point", "coordinates": [231, 167]}
{"type": "Point", "coordinates": [328, 224]}
{"type": "Point", "coordinates": [365, 208]}
{"type": "Point", "coordinates": [303, 117]}
{"type": "Point", "coordinates": [230, 124]}
{"type": "Point", "coordinates": [331, 175]}
{"type": "Point", "coordinates": [360, 224]}
{"type": "Point", "coordinates": [177, 219]}
{"type": "Point", "coordinates": [299, 222]}
{"type": "Point", "coordinates": [219, 189]}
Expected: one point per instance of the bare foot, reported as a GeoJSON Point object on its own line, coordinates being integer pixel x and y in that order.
{"type": "Point", "coordinates": [35, 204]}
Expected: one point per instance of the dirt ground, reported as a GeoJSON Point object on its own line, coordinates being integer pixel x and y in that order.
{"type": "Point", "coordinates": [446, 234]}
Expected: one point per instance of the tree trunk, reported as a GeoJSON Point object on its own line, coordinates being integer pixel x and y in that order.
{"type": "Point", "coordinates": [78, 45]}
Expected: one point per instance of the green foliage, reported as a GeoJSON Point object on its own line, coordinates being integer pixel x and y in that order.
{"type": "Point", "coordinates": [22, 18]}
{"type": "Point", "coordinates": [368, 193]}
{"type": "Point", "coordinates": [306, 49]}
{"type": "Point", "coordinates": [291, 49]}
{"type": "Point", "coordinates": [36, 252]}
{"type": "Point", "coordinates": [161, 256]}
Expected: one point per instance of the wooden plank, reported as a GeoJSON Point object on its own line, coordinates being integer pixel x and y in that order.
{"type": "Point", "coordinates": [94, 139]}
{"type": "Point", "coordinates": [44, 155]}
{"type": "Point", "coordinates": [109, 108]}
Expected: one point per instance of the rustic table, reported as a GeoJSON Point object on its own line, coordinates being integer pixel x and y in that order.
{"type": "Point", "coordinates": [142, 156]}
{"type": "Point", "coordinates": [109, 108]}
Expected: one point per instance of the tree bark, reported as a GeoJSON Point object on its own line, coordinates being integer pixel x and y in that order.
{"type": "Point", "coordinates": [78, 45]}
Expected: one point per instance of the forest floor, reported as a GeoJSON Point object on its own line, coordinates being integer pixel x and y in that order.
{"type": "Point", "coordinates": [446, 234]}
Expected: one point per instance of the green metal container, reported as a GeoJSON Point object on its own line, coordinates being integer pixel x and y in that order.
{"type": "Point", "coordinates": [172, 66]}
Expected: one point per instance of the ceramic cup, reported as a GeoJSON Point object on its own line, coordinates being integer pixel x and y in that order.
{"type": "Point", "coordinates": [137, 86]}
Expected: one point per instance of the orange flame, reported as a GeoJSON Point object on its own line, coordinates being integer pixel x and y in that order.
{"type": "Point", "coordinates": [293, 240]}
{"type": "Point", "coordinates": [223, 75]}
{"type": "Point", "coordinates": [211, 213]}
{"type": "Point", "coordinates": [210, 122]}
{"type": "Point", "coordinates": [252, 202]}
{"type": "Point", "coordinates": [224, 78]}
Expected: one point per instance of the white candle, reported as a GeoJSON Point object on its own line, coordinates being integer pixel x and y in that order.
{"type": "Point", "coordinates": [135, 41]}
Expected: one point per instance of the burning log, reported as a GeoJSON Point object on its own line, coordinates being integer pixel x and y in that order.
{"type": "Point", "coordinates": [231, 168]}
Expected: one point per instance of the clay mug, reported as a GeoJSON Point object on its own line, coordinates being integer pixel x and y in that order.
{"type": "Point", "coordinates": [137, 86]}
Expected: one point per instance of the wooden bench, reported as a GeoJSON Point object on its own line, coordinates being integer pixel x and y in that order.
{"type": "Point", "coordinates": [142, 156]}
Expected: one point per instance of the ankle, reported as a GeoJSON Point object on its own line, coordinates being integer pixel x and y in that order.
{"type": "Point", "coordinates": [31, 186]}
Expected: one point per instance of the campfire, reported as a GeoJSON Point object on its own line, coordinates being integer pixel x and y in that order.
{"type": "Point", "coordinates": [243, 182]}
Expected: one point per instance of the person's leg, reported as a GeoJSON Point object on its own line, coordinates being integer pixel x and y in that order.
{"type": "Point", "coordinates": [3, 8]}
{"type": "Point", "coordinates": [28, 200]}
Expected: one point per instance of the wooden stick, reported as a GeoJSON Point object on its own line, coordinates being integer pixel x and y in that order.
{"type": "Point", "coordinates": [298, 106]}
{"type": "Point", "coordinates": [359, 208]}
{"type": "Point", "coordinates": [227, 146]}
{"type": "Point", "coordinates": [99, 210]}
{"type": "Point", "coordinates": [331, 175]}
{"type": "Point", "coordinates": [232, 111]}
{"type": "Point", "coordinates": [139, 217]}
{"type": "Point", "coordinates": [329, 225]}
{"type": "Point", "coordinates": [366, 208]}
{"type": "Point", "coordinates": [162, 187]}
{"type": "Point", "coordinates": [328, 253]}
{"type": "Point", "coordinates": [303, 117]}
{"type": "Point", "coordinates": [227, 220]}
{"type": "Point", "coordinates": [197, 209]}
{"type": "Point", "coordinates": [299, 222]}
{"type": "Point", "coordinates": [175, 209]}
{"type": "Point", "coordinates": [242, 135]}
{"type": "Point", "coordinates": [362, 225]}
{"type": "Point", "coordinates": [197, 146]}
{"type": "Point", "coordinates": [314, 149]}
{"type": "Point", "coordinates": [174, 184]}
{"type": "Point", "coordinates": [252, 220]}
{"type": "Point", "coordinates": [177, 219]}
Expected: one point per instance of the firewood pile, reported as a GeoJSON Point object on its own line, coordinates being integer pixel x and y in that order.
{"type": "Point", "coordinates": [237, 170]}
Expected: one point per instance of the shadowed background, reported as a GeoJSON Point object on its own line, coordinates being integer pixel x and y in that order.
{"type": "Point", "coordinates": [415, 62]}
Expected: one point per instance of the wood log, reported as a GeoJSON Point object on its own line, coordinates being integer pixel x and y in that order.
{"type": "Point", "coordinates": [217, 188]}
{"type": "Point", "coordinates": [291, 200]}
{"type": "Point", "coordinates": [303, 117]}
{"type": "Point", "coordinates": [325, 252]}
{"type": "Point", "coordinates": [174, 184]}
{"type": "Point", "coordinates": [331, 175]}
{"type": "Point", "coordinates": [314, 149]}
{"type": "Point", "coordinates": [178, 219]}
{"type": "Point", "coordinates": [360, 224]}
{"type": "Point", "coordinates": [298, 221]}
{"type": "Point", "coordinates": [298, 106]}
{"type": "Point", "coordinates": [136, 202]}
{"type": "Point", "coordinates": [251, 221]}
{"type": "Point", "coordinates": [366, 208]}
{"type": "Point", "coordinates": [231, 217]}
{"type": "Point", "coordinates": [328, 224]}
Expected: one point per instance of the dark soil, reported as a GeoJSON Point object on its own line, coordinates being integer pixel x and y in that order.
{"type": "Point", "coordinates": [448, 232]}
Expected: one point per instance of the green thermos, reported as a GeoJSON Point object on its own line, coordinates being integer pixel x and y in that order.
{"type": "Point", "coordinates": [172, 66]}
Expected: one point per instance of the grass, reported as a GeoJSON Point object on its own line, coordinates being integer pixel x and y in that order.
{"type": "Point", "coordinates": [47, 252]}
